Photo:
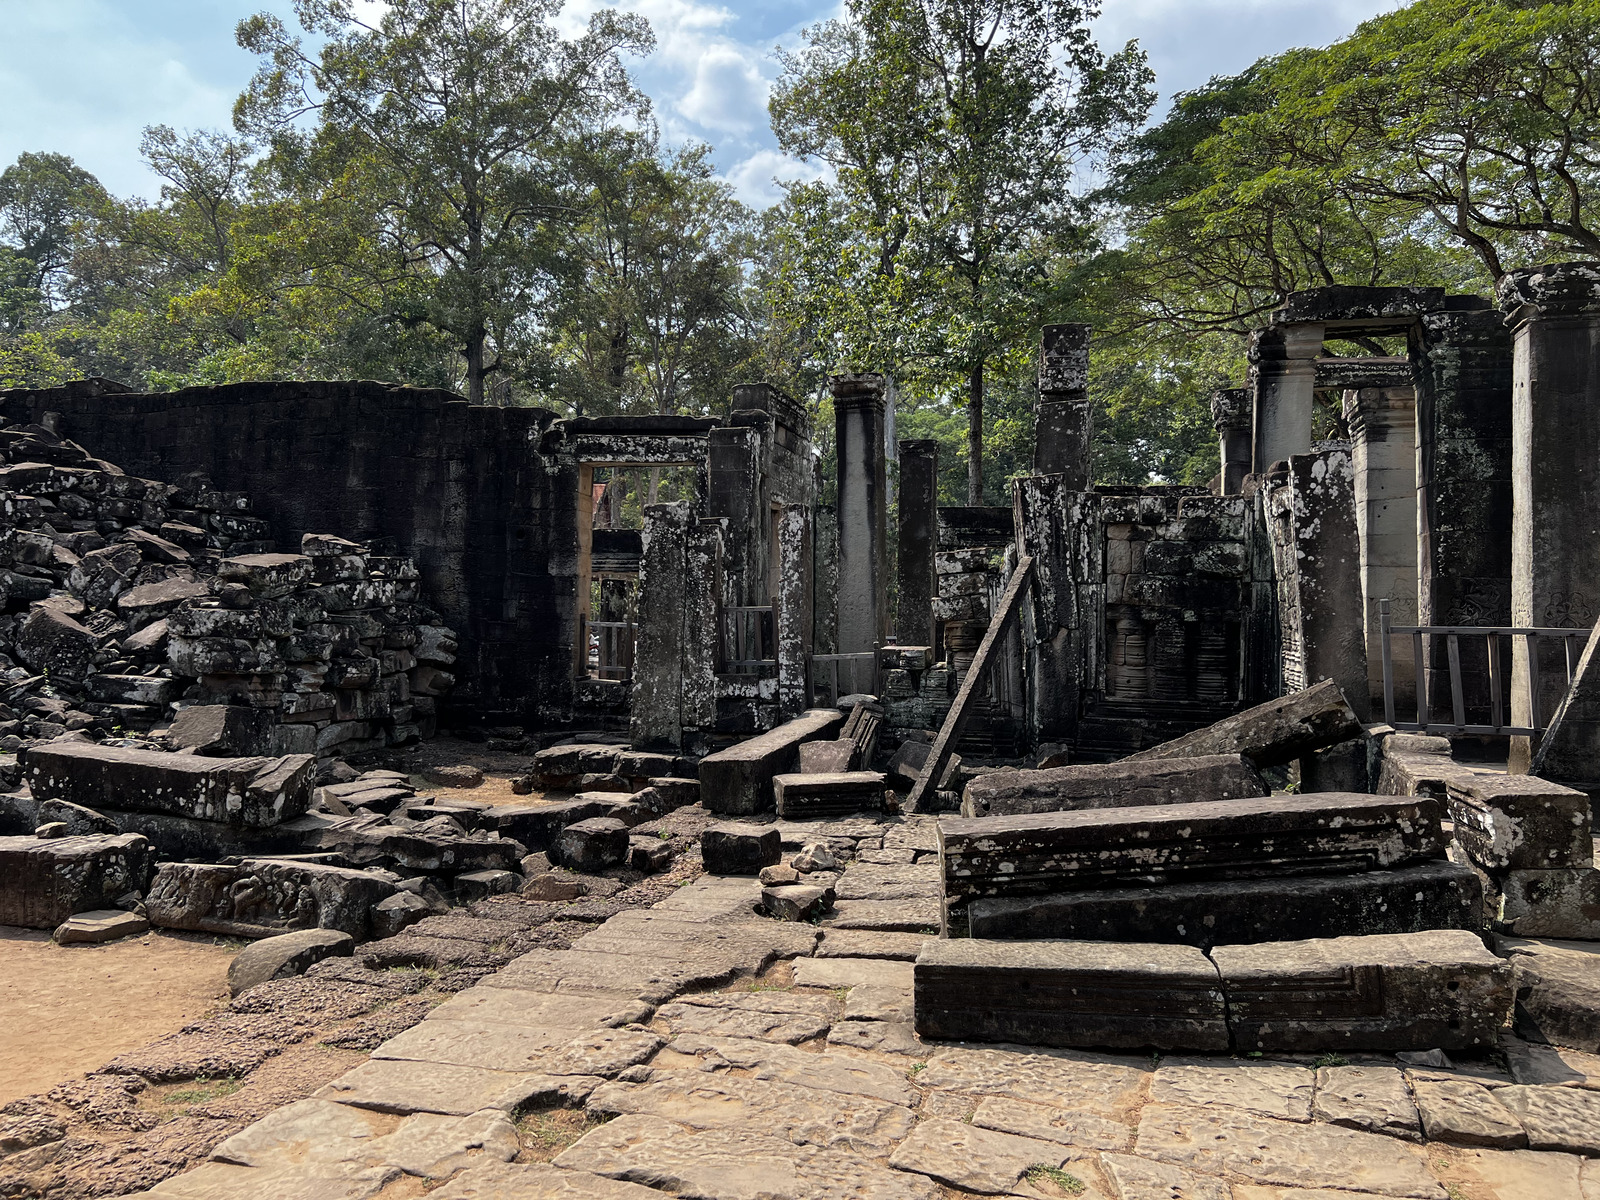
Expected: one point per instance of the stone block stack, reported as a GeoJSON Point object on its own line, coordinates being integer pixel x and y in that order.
{"type": "Point", "coordinates": [126, 598]}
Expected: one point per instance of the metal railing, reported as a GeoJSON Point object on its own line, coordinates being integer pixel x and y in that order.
{"type": "Point", "coordinates": [1496, 638]}
{"type": "Point", "coordinates": [836, 675]}
{"type": "Point", "coordinates": [751, 641]}
{"type": "Point", "coordinates": [611, 649]}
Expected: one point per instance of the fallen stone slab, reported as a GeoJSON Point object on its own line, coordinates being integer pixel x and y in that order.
{"type": "Point", "coordinates": [409, 849]}
{"type": "Point", "coordinates": [402, 1086]}
{"type": "Point", "coordinates": [222, 730]}
{"type": "Point", "coordinates": [1267, 1151]}
{"type": "Point", "coordinates": [834, 794]}
{"type": "Point", "coordinates": [1557, 993]}
{"type": "Point", "coordinates": [1550, 904]}
{"type": "Point", "coordinates": [261, 898]}
{"type": "Point", "coordinates": [1556, 1118]}
{"type": "Point", "coordinates": [254, 792]}
{"type": "Point", "coordinates": [1429, 895]}
{"type": "Point", "coordinates": [979, 1160]}
{"type": "Point", "coordinates": [501, 1047]}
{"type": "Point", "coordinates": [738, 780]}
{"type": "Point", "coordinates": [1521, 822]}
{"type": "Point", "coordinates": [78, 819]}
{"type": "Point", "coordinates": [535, 1010]}
{"type": "Point", "coordinates": [776, 1061]}
{"type": "Point", "coordinates": [870, 881]}
{"type": "Point", "coordinates": [1370, 1098]}
{"type": "Point", "coordinates": [618, 976]}
{"type": "Point", "coordinates": [795, 902]}
{"type": "Point", "coordinates": [285, 955]}
{"type": "Point", "coordinates": [880, 1037]}
{"type": "Point", "coordinates": [1403, 991]}
{"type": "Point", "coordinates": [591, 845]}
{"type": "Point", "coordinates": [1046, 853]}
{"type": "Point", "coordinates": [737, 848]}
{"type": "Point", "coordinates": [1271, 734]}
{"type": "Point", "coordinates": [918, 914]}
{"type": "Point", "coordinates": [308, 1181]}
{"type": "Point", "coordinates": [1064, 993]}
{"type": "Point", "coordinates": [1011, 792]}
{"type": "Point", "coordinates": [733, 1164]}
{"type": "Point", "coordinates": [97, 926]}
{"type": "Point", "coordinates": [535, 825]}
{"type": "Point", "coordinates": [44, 882]}
{"type": "Point", "coordinates": [863, 943]}
{"type": "Point", "coordinates": [1464, 1113]}
{"type": "Point", "coordinates": [853, 972]}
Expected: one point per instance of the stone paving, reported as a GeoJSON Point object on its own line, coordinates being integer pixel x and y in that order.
{"type": "Point", "coordinates": [718, 1055]}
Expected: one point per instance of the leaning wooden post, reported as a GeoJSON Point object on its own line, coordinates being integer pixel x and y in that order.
{"type": "Point", "coordinates": [956, 719]}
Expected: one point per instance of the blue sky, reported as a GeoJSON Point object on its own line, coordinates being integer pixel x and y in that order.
{"type": "Point", "coordinates": [84, 77]}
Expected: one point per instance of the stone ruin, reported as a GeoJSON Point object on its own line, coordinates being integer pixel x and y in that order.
{"type": "Point", "coordinates": [1302, 763]}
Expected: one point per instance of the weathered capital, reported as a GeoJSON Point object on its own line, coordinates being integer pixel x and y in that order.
{"type": "Point", "coordinates": [861, 390]}
{"type": "Point", "coordinates": [1231, 409]}
{"type": "Point", "coordinates": [1552, 290]}
{"type": "Point", "coordinates": [1064, 359]}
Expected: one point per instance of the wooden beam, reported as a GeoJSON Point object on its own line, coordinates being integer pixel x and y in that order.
{"type": "Point", "coordinates": [956, 719]}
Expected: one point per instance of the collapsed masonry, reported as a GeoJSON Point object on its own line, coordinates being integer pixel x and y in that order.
{"type": "Point", "coordinates": [1167, 656]}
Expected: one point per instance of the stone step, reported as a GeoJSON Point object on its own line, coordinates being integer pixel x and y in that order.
{"type": "Point", "coordinates": [835, 794]}
{"type": "Point", "coordinates": [1011, 792]}
{"type": "Point", "coordinates": [1430, 895]}
{"type": "Point", "coordinates": [738, 780]}
{"type": "Point", "coordinates": [1069, 993]}
{"type": "Point", "coordinates": [1049, 853]}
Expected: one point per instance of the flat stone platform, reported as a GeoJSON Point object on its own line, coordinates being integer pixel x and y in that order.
{"type": "Point", "coordinates": [718, 1055]}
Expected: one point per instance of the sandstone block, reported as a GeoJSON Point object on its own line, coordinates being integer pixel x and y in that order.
{"type": "Point", "coordinates": [99, 925]}
{"type": "Point", "coordinates": [738, 780]}
{"type": "Point", "coordinates": [262, 898]}
{"type": "Point", "coordinates": [795, 902]}
{"type": "Point", "coordinates": [1557, 992]}
{"type": "Point", "coordinates": [591, 845]}
{"type": "Point", "coordinates": [1011, 792]}
{"type": "Point", "coordinates": [1550, 904]}
{"type": "Point", "coordinates": [1465, 1113]}
{"type": "Point", "coordinates": [735, 848]}
{"type": "Point", "coordinates": [828, 795]}
{"type": "Point", "coordinates": [1521, 822]}
{"type": "Point", "coordinates": [1273, 733]}
{"type": "Point", "coordinates": [285, 955]}
{"type": "Point", "coordinates": [43, 882]}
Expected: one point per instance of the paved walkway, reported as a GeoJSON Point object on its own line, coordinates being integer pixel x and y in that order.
{"type": "Point", "coordinates": [723, 1056]}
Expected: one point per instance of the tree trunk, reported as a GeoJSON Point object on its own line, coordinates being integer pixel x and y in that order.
{"type": "Point", "coordinates": [475, 339]}
{"type": "Point", "coordinates": [975, 436]}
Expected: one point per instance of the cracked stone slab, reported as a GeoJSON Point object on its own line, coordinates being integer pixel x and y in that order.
{"type": "Point", "coordinates": [537, 1181]}
{"type": "Point", "coordinates": [733, 1164]}
{"type": "Point", "coordinates": [1523, 1175]}
{"type": "Point", "coordinates": [494, 1046]}
{"type": "Point", "coordinates": [1277, 1090]}
{"type": "Point", "coordinates": [311, 1181]}
{"type": "Point", "coordinates": [757, 941]}
{"type": "Point", "coordinates": [1467, 1114]}
{"type": "Point", "coordinates": [784, 1064]}
{"type": "Point", "coordinates": [1556, 1118]}
{"type": "Point", "coordinates": [877, 1004]}
{"type": "Point", "coordinates": [398, 1086]}
{"type": "Point", "coordinates": [870, 943]}
{"type": "Point", "coordinates": [514, 1006]}
{"type": "Point", "coordinates": [1370, 1098]}
{"type": "Point", "coordinates": [885, 1037]}
{"type": "Point", "coordinates": [306, 1131]}
{"type": "Point", "coordinates": [711, 898]}
{"type": "Point", "coordinates": [1062, 1079]}
{"type": "Point", "coordinates": [1141, 1179]}
{"type": "Point", "coordinates": [436, 1147]}
{"type": "Point", "coordinates": [854, 972]}
{"type": "Point", "coordinates": [976, 1160]}
{"type": "Point", "coordinates": [764, 1016]}
{"type": "Point", "coordinates": [801, 1114]}
{"type": "Point", "coordinates": [617, 975]}
{"type": "Point", "coordinates": [872, 881]}
{"type": "Point", "coordinates": [919, 915]}
{"type": "Point", "coordinates": [1071, 1127]}
{"type": "Point", "coordinates": [1264, 1150]}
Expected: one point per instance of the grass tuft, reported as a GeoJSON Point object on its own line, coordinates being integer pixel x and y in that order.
{"type": "Point", "coordinates": [1330, 1060]}
{"type": "Point", "coordinates": [1064, 1180]}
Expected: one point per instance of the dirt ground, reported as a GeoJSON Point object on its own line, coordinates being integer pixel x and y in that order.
{"type": "Point", "coordinates": [68, 1009]}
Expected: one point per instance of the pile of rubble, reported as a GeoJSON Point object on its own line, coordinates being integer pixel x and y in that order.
{"type": "Point", "coordinates": [126, 598]}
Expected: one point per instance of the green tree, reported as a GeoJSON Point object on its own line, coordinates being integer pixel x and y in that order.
{"type": "Point", "coordinates": [451, 114]}
{"type": "Point", "coordinates": [954, 129]}
{"type": "Point", "coordinates": [44, 199]}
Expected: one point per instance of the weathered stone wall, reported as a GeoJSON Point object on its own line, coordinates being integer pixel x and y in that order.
{"type": "Point", "coordinates": [463, 490]}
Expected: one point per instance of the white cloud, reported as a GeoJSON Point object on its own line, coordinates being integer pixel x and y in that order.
{"type": "Point", "coordinates": [755, 178]}
{"type": "Point", "coordinates": [729, 92]}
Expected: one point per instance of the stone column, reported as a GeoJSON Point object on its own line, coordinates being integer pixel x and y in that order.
{"type": "Point", "coordinates": [1231, 416]}
{"type": "Point", "coordinates": [1283, 378]}
{"type": "Point", "coordinates": [1063, 424]}
{"type": "Point", "coordinates": [919, 537]}
{"type": "Point", "coordinates": [1461, 364]}
{"type": "Point", "coordinates": [655, 716]}
{"type": "Point", "coordinates": [795, 615]}
{"type": "Point", "coordinates": [1383, 426]}
{"type": "Point", "coordinates": [1554, 314]}
{"type": "Point", "coordinates": [863, 618]}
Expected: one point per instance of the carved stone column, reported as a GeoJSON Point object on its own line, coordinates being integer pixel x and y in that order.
{"type": "Point", "coordinates": [863, 617]}
{"type": "Point", "coordinates": [1231, 416]}
{"type": "Point", "coordinates": [1063, 424]}
{"type": "Point", "coordinates": [1283, 377]}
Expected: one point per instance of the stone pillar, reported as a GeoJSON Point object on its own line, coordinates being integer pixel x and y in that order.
{"type": "Point", "coordinates": [1461, 364]}
{"type": "Point", "coordinates": [795, 616]}
{"type": "Point", "coordinates": [825, 580]}
{"type": "Point", "coordinates": [1063, 424]}
{"type": "Point", "coordinates": [655, 719]}
{"type": "Point", "coordinates": [1383, 427]}
{"type": "Point", "coordinates": [863, 617]}
{"type": "Point", "coordinates": [919, 538]}
{"type": "Point", "coordinates": [1283, 379]}
{"type": "Point", "coordinates": [1231, 416]}
{"type": "Point", "coordinates": [1554, 314]}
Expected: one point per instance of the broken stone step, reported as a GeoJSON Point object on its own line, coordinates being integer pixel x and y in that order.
{"type": "Point", "coordinates": [43, 882]}
{"type": "Point", "coordinates": [1046, 853]}
{"type": "Point", "coordinates": [1521, 822]}
{"type": "Point", "coordinates": [1557, 991]}
{"type": "Point", "coordinates": [1069, 993]}
{"type": "Point", "coordinates": [263, 898]}
{"type": "Point", "coordinates": [828, 795]}
{"type": "Point", "coordinates": [1012, 792]}
{"type": "Point", "coordinates": [738, 780]}
{"type": "Point", "coordinates": [99, 925]}
{"type": "Point", "coordinates": [253, 792]}
{"type": "Point", "coordinates": [1430, 895]}
{"type": "Point", "coordinates": [1403, 991]}
{"type": "Point", "coordinates": [1273, 733]}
